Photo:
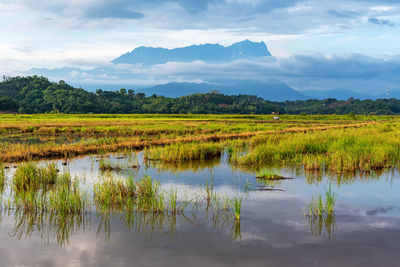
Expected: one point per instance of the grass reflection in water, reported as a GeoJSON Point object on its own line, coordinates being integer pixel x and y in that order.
{"type": "Point", "coordinates": [42, 201]}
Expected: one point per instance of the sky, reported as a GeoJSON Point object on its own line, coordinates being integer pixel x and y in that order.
{"type": "Point", "coordinates": [317, 44]}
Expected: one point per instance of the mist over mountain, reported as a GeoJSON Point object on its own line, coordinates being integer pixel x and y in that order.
{"type": "Point", "coordinates": [242, 68]}
{"type": "Point", "coordinates": [273, 90]}
{"type": "Point", "coordinates": [206, 52]}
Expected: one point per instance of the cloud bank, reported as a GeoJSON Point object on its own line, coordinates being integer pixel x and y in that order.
{"type": "Point", "coordinates": [317, 44]}
{"type": "Point", "coordinates": [362, 74]}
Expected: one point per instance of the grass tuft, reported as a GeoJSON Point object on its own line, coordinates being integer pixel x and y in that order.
{"type": "Point", "coordinates": [237, 207]}
{"type": "Point", "coordinates": [31, 177]}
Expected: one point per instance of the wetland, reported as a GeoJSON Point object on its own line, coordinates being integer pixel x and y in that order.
{"type": "Point", "coordinates": [183, 190]}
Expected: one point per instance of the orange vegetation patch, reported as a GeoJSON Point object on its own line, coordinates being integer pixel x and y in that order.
{"type": "Point", "coordinates": [23, 153]}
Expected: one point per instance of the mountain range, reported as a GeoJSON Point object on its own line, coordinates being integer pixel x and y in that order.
{"type": "Point", "coordinates": [214, 53]}
{"type": "Point", "coordinates": [130, 69]}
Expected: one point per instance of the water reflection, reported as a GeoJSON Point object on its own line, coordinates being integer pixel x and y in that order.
{"type": "Point", "coordinates": [48, 225]}
{"type": "Point", "coordinates": [273, 220]}
{"type": "Point", "coordinates": [178, 167]}
{"type": "Point", "coordinates": [317, 177]}
{"type": "Point", "coordinates": [322, 225]}
{"type": "Point", "coordinates": [51, 227]}
{"type": "Point", "coordinates": [147, 224]}
{"type": "Point", "coordinates": [236, 231]}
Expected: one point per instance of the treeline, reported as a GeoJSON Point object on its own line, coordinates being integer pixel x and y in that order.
{"type": "Point", "coordinates": [35, 94]}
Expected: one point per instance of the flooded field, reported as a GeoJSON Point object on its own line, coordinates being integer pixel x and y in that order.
{"type": "Point", "coordinates": [274, 228]}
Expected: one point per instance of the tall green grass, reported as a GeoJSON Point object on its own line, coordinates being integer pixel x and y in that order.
{"type": "Point", "coordinates": [144, 195]}
{"type": "Point", "coordinates": [237, 207]}
{"type": "Point", "coordinates": [113, 193]}
{"type": "Point", "coordinates": [67, 198]}
{"type": "Point", "coordinates": [350, 150]}
{"type": "Point", "coordinates": [320, 206]}
{"type": "Point", "coordinates": [30, 176]}
{"type": "Point", "coordinates": [268, 174]}
{"type": "Point", "coordinates": [185, 152]}
{"type": "Point", "coordinates": [64, 198]}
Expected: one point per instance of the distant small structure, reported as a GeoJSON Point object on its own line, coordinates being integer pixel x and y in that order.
{"type": "Point", "coordinates": [276, 115]}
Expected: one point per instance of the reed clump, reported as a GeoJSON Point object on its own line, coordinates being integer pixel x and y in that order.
{"type": "Point", "coordinates": [320, 214]}
{"type": "Point", "coordinates": [107, 165]}
{"type": "Point", "coordinates": [269, 175]}
{"type": "Point", "coordinates": [237, 207]}
{"type": "Point", "coordinates": [67, 198]}
{"type": "Point", "coordinates": [185, 152]}
{"type": "Point", "coordinates": [64, 198]}
{"type": "Point", "coordinates": [32, 177]}
{"type": "Point", "coordinates": [144, 195]}
{"type": "Point", "coordinates": [322, 207]}
{"type": "Point", "coordinates": [114, 193]}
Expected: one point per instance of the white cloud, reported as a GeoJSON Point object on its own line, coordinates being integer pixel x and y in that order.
{"type": "Point", "coordinates": [381, 9]}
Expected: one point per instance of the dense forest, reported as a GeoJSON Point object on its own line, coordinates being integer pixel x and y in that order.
{"type": "Point", "coordinates": [35, 94]}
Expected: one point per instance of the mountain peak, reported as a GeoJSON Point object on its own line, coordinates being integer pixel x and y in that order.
{"type": "Point", "coordinates": [214, 53]}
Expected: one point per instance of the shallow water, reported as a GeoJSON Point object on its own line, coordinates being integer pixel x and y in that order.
{"type": "Point", "coordinates": [273, 230]}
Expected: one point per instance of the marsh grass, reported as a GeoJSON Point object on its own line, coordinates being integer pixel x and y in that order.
{"type": "Point", "coordinates": [350, 150]}
{"type": "Point", "coordinates": [105, 164]}
{"type": "Point", "coordinates": [63, 199]}
{"type": "Point", "coordinates": [322, 207]}
{"type": "Point", "coordinates": [149, 196]}
{"type": "Point", "coordinates": [237, 207]}
{"type": "Point", "coordinates": [54, 204]}
{"type": "Point", "coordinates": [127, 195]}
{"type": "Point", "coordinates": [185, 152]}
{"type": "Point", "coordinates": [47, 202]}
{"type": "Point", "coordinates": [63, 136]}
{"type": "Point", "coordinates": [114, 193]}
{"type": "Point", "coordinates": [32, 177]}
{"type": "Point", "coordinates": [67, 198]}
{"type": "Point", "coordinates": [268, 175]}
{"type": "Point", "coordinates": [235, 149]}
{"type": "Point", "coordinates": [320, 214]}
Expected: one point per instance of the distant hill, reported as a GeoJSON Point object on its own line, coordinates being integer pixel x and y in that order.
{"type": "Point", "coordinates": [207, 52]}
{"type": "Point", "coordinates": [35, 94]}
{"type": "Point", "coordinates": [272, 90]}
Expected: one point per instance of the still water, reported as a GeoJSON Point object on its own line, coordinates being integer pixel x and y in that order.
{"type": "Point", "coordinates": [273, 231]}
